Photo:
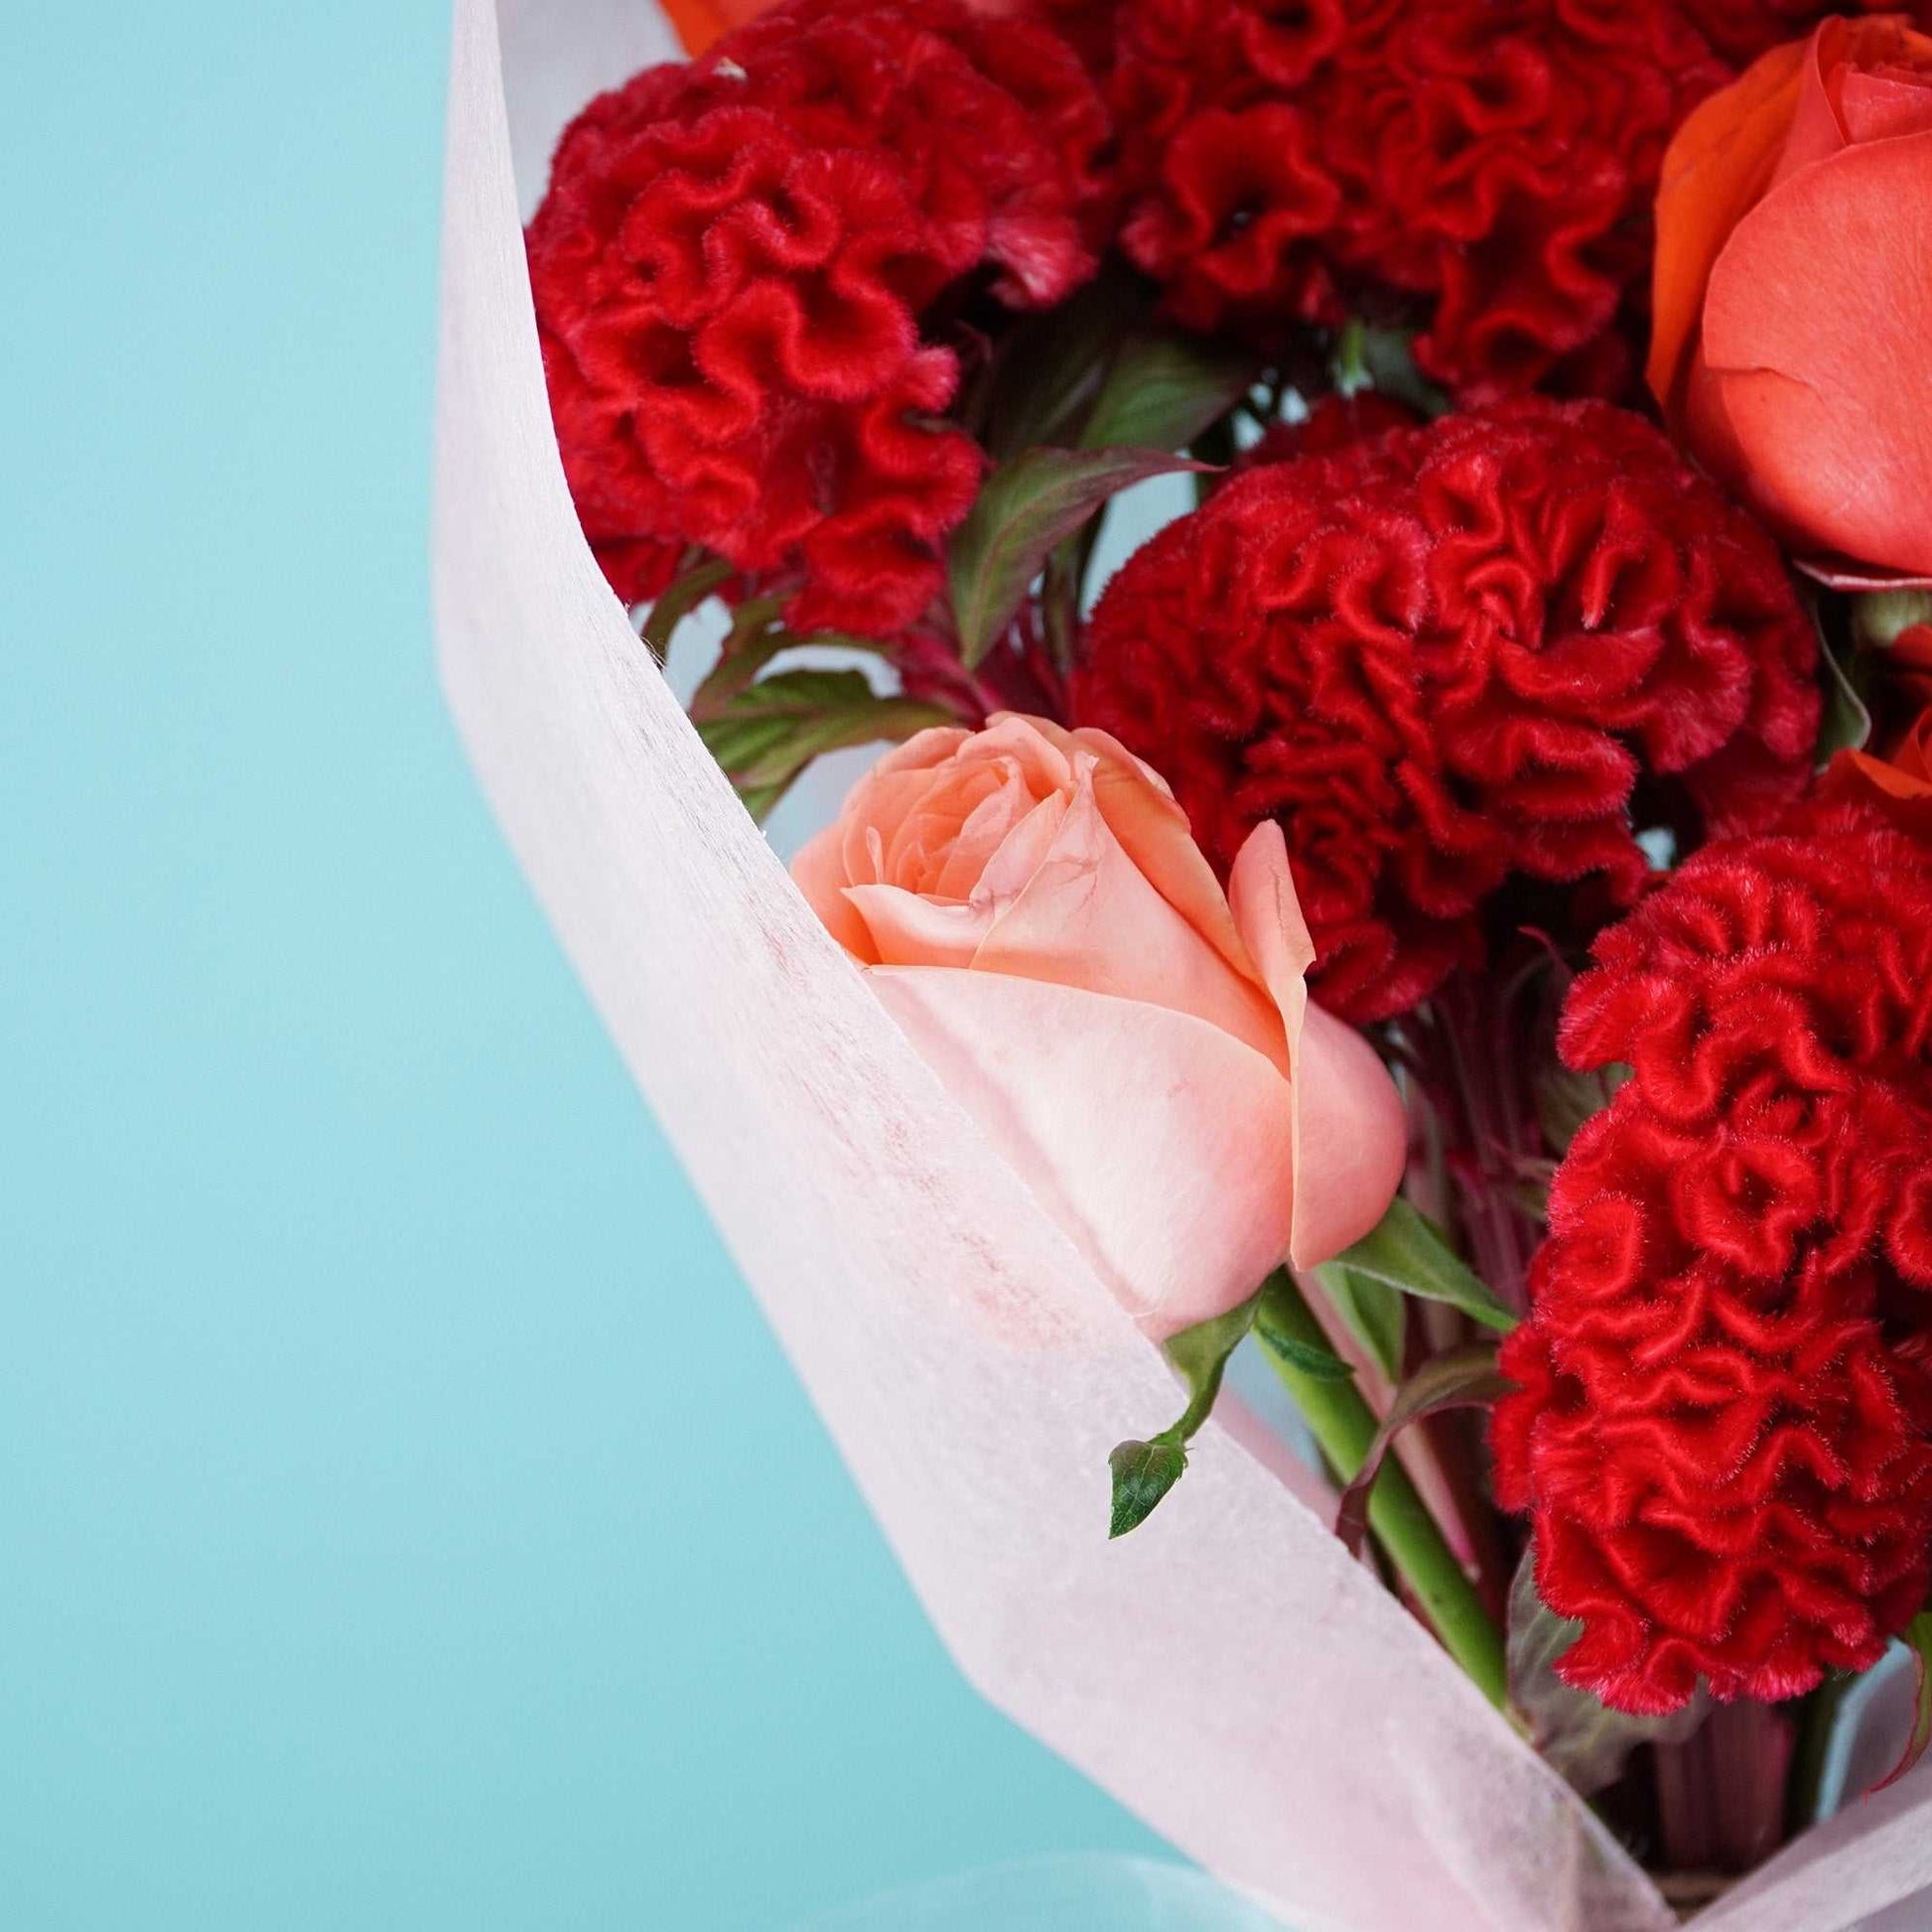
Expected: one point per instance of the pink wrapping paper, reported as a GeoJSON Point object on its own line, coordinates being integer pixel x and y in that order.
{"type": "Point", "coordinates": [1227, 1672]}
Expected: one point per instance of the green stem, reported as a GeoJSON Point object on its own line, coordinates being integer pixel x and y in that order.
{"type": "Point", "coordinates": [1344, 1425]}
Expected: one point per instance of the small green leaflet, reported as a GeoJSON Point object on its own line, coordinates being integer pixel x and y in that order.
{"type": "Point", "coordinates": [1144, 1472]}
{"type": "Point", "coordinates": [1023, 510]}
{"type": "Point", "coordinates": [1918, 1638]}
{"type": "Point", "coordinates": [1461, 1378]}
{"type": "Point", "coordinates": [1404, 1250]}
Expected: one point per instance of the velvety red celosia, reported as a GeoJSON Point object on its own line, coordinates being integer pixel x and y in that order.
{"type": "Point", "coordinates": [1447, 658]}
{"type": "Point", "coordinates": [1333, 422]}
{"type": "Point", "coordinates": [1723, 1438]}
{"type": "Point", "coordinates": [735, 270]}
{"type": "Point", "coordinates": [1483, 168]}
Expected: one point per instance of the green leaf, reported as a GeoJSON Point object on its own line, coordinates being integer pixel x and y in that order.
{"type": "Point", "coordinates": [1042, 379]}
{"type": "Point", "coordinates": [1574, 1733]}
{"type": "Point", "coordinates": [678, 598]}
{"type": "Point", "coordinates": [1375, 1312]}
{"type": "Point", "coordinates": [1322, 1363]}
{"type": "Point", "coordinates": [1386, 357]}
{"type": "Point", "coordinates": [1459, 1378]}
{"type": "Point", "coordinates": [1846, 723]}
{"type": "Point", "coordinates": [1879, 616]}
{"type": "Point", "coordinates": [1142, 1473]}
{"type": "Point", "coordinates": [1405, 1251]}
{"type": "Point", "coordinates": [764, 734]}
{"type": "Point", "coordinates": [1918, 1638]}
{"type": "Point", "coordinates": [1023, 510]}
{"type": "Point", "coordinates": [1164, 390]}
{"type": "Point", "coordinates": [1564, 1100]}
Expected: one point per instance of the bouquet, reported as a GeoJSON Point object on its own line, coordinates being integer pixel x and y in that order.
{"type": "Point", "coordinates": [1337, 602]}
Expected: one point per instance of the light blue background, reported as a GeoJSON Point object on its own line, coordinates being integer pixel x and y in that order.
{"type": "Point", "coordinates": [405, 1519]}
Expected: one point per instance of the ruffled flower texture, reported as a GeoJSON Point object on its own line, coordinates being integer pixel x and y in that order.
{"type": "Point", "coordinates": [1447, 657]}
{"type": "Point", "coordinates": [731, 269]}
{"type": "Point", "coordinates": [1724, 1436]}
{"type": "Point", "coordinates": [1482, 168]}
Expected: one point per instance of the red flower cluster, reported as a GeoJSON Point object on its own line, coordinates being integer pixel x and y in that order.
{"type": "Point", "coordinates": [1445, 657]}
{"type": "Point", "coordinates": [732, 265]}
{"type": "Point", "coordinates": [1486, 165]}
{"type": "Point", "coordinates": [1724, 1436]}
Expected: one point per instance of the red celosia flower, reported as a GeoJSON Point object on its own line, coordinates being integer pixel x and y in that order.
{"type": "Point", "coordinates": [731, 269]}
{"type": "Point", "coordinates": [1724, 1438]}
{"type": "Point", "coordinates": [1485, 167]}
{"type": "Point", "coordinates": [1333, 422]}
{"type": "Point", "coordinates": [1447, 656]}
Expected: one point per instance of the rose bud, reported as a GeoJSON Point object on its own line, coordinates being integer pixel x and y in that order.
{"type": "Point", "coordinates": [1792, 325]}
{"type": "Point", "coordinates": [1031, 905]}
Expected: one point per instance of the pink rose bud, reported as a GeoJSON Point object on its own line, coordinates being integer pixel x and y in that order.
{"type": "Point", "coordinates": [1031, 906]}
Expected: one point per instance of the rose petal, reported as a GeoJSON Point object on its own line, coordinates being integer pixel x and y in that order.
{"type": "Point", "coordinates": [819, 871]}
{"type": "Point", "coordinates": [1817, 332]}
{"type": "Point", "coordinates": [913, 929]}
{"type": "Point", "coordinates": [1160, 1145]}
{"type": "Point", "coordinates": [1719, 164]}
{"type": "Point", "coordinates": [1350, 1141]}
{"type": "Point", "coordinates": [1088, 917]}
{"type": "Point", "coordinates": [1141, 812]}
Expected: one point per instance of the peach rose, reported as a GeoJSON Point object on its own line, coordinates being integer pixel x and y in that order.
{"type": "Point", "coordinates": [1030, 904]}
{"type": "Point", "coordinates": [1792, 326]}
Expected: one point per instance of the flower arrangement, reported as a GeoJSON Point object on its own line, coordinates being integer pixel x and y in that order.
{"type": "Point", "coordinates": [1449, 916]}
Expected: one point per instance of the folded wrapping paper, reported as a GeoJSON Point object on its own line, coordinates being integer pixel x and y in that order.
{"type": "Point", "coordinates": [1226, 1671]}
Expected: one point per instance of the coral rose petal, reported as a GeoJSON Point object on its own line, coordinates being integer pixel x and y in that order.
{"type": "Point", "coordinates": [1089, 916]}
{"type": "Point", "coordinates": [1818, 330]}
{"type": "Point", "coordinates": [819, 871]}
{"type": "Point", "coordinates": [1350, 1138]}
{"type": "Point", "coordinates": [908, 929]}
{"type": "Point", "coordinates": [1158, 1144]}
{"type": "Point", "coordinates": [1719, 164]}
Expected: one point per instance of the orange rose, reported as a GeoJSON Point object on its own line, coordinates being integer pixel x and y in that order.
{"type": "Point", "coordinates": [1793, 299]}
{"type": "Point", "coordinates": [1031, 905]}
{"type": "Point", "coordinates": [700, 21]}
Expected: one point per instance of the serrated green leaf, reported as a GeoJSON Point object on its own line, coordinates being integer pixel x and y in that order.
{"type": "Point", "coordinates": [1164, 390]}
{"type": "Point", "coordinates": [1375, 1312]}
{"type": "Point", "coordinates": [1023, 510]}
{"type": "Point", "coordinates": [1459, 1378]}
{"type": "Point", "coordinates": [1201, 1354]}
{"type": "Point", "coordinates": [1142, 1473]}
{"type": "Point", "coordinates": [1405, 1251]}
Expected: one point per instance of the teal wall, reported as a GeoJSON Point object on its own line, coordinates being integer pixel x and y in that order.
{"type": "Point", "coordinates": [405, 1519]}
